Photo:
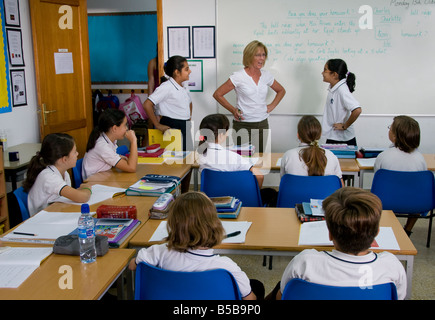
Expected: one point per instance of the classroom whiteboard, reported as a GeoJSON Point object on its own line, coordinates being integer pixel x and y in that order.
{"type": "Point", "coordinates": [393, 62]}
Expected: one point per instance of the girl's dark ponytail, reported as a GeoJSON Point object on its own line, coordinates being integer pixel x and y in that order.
{"type": "Point", "coordinates": [53, 147]}
{"type": "Point", "coordinates": [210, 128]}
{"type": "Point", "coordinates": [339, 66]}
{"type": "Point", "coordinates": [174, 63]}
{"type": "Point", "coordinates": [310, 131]}
{"type": "Point", "coordinates": [108, 119]}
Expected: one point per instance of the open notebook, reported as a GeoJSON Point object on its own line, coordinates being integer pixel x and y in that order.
{"type": "Point", "coordinates": [17, 264]}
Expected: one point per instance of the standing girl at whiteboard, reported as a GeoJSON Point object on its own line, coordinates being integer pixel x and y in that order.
{"type": "Point", "coordinates": [173, 99]}
{"type": "Point", "coordinates": [47, 178]}
{"type": "Point", "coordinates": [341, 108]}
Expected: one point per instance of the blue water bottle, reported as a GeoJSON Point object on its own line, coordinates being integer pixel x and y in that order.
{"type": "Point", "coordinates": [88, 252]}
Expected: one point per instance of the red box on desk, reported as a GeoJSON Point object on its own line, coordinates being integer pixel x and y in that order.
{"type": "Point", "coordinates": [117, 212]}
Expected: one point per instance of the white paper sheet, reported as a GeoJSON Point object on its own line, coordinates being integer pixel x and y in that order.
{"type": "Point", "coordinates": [46, 225]}
{"type": "Point", "coordinates": [229, 226]}
{"type": "Point", "coordinates": [99, 193]}
{"type": "Point", "coordinates": [316, 233]}
{"type": "Point", "coordinates": [17, 264]}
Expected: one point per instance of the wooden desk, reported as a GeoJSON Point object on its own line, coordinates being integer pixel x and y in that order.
{"type": "Point", "coordinates": [109, 176]}
{"type": "Point", "coordinates": [90, 281]}
{"type": "Point", "coordinates": [268, 163]}
{"type": "Point", "coordinates": [275, 231]}
{"type": "Point", "coordinates": [430, 162]}
{"type": "Point", "coordinates": [26, 152]}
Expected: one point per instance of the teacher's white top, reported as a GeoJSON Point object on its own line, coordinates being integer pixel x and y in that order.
{"type": "Point", "coordinates": [251, 98]}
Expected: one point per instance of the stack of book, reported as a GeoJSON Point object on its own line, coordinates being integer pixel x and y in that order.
{"type": "Point", "coordinates": [116, 230]}
{"type": "Point", "coordinates": [246, 149]}
{"type": "Point", "coordinates": [370, 152]}
{"type": "Point", "coordinates": [342, 151]}
{"type": "Point", "coordinates": [153, 185]}
{"type": "Point", "coordinates": [310, 211]}
{"type": "Point", "coordinates": [227, 207]}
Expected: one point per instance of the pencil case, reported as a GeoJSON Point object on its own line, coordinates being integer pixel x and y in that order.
{"type": "Point", "coordinates": [116, 212]}
{"type": "Point", "coordinates": [70, 245]}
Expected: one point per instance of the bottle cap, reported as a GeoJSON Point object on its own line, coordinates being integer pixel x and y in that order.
{"type": "Point", "coordinates": [85, 208]}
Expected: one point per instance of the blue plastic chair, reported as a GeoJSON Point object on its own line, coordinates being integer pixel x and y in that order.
{"type": "Point", "coordinates": [298, 289]}
{"type": "Point", "coordinates": [122, 150]}
{"type": "Point", "coordinates": [22, 196]}
{"type": "Point", "coordinates": [295, 189]}
{"type": "Point", "coordinates": [240, 184]}
{"type": "Point", "coordinates": [77, 173]}
{"type": "Point", "coordinates": [407, 193]}
{"type": "Point", "coordinates": [153, 283]}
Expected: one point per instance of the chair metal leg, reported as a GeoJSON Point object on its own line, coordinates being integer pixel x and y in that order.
{"type": "Point", "coordinates": [270, 262]}
{"type": "Point", "coordinates": [429, 232]}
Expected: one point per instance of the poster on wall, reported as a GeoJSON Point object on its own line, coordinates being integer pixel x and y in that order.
{"type": "Point", "coordinates": [195, 81]}
{"type": "Point", "coordinates": [12, 13]}
{"type": "Point", "coordinates": [18, 80]}
{"type": "Point", "coordinates": [15, 47]}
{"type": "Point", "coordinates": [4, 67]}
{"type": "Point", "coordinates": [179, 41]}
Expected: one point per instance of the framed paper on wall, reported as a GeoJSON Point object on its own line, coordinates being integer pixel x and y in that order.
{"type": "Point", "coordinates": [15, 47]}
{"type": "Point", "coordinates": [18, 83]}
{"type": "Point", "coordinates": [179, 41]}
{"type": "Point", "coordinates": [203, 42]}
{"type": "Point", "coordinates": [12, 13]}
{"type": "Point", "coordinates": [195, 82]}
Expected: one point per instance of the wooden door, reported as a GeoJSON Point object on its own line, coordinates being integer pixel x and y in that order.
{"type": "Point", "coordinates": [60, 29]}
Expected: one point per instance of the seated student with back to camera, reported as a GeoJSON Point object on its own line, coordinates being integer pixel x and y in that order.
{"type": "Point", "coordinates": [403, 155]}
{"type": "Point", "coordinates": [193, 230]}
{"type": "Point", "coordinates": [213, 155]}
{"type": "Point", "coordinates": [352, 216]}
{"type": "Point", "coordinates": [309, 159]}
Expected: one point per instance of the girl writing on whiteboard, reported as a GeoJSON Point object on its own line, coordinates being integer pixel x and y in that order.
{"type": "Point", "coordinates": [341, 108]}
{"type": "Point", "coordinates": [173, 98]}
{"type": "Point", "coordinates": [251, 84]}
{"type": "Point", "coordinates": [47, 178]}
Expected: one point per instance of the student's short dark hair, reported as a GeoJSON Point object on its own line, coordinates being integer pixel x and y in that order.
{"type": "Point", "coordinates": [352, 216]}
{"type": "Point", "coordinates": [407, 133]}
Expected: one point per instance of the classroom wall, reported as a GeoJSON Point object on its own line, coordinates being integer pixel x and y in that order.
{"type": "Point", "coordinates": [371, 130]}
{"type": "Point", "coordinates": [22, 123]}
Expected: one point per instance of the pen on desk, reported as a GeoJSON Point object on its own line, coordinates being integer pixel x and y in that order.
{"type": "Point", "coordinates": [118, 195]}
{"type": "Point", "coordinates": [233, 234]}
{"type": "Point", "coordinates": [25, 234]}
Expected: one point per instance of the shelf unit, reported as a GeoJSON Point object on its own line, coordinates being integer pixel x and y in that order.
{"type": "Point", "coordinates": [4, 214]}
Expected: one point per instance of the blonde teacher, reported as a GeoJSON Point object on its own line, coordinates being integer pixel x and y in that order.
{"type": "Point", "coordinates": [251, 85]}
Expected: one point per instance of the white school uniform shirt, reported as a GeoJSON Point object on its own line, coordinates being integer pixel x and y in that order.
{"type": "Point", "coordinates": [293, 163]}
{"type": "Point", "coordinates": [220, 159]}
{"type": "Point", "coordinates": [46, 189]}
{"type": "Point", "coordinates": [398, 160]}
{"type": "Point", "coordinates": [251, 98]}
{"type": "Point", "coordinates": [101, 158]}
{"type": "Point", "coordinates": [173, 100]}
{"type": "Point", "coordinates": [193, 260]}
{"type": "Point", "coordinates": [339, 105]}
{"type": "Point", "coordinates": [340, 269]}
